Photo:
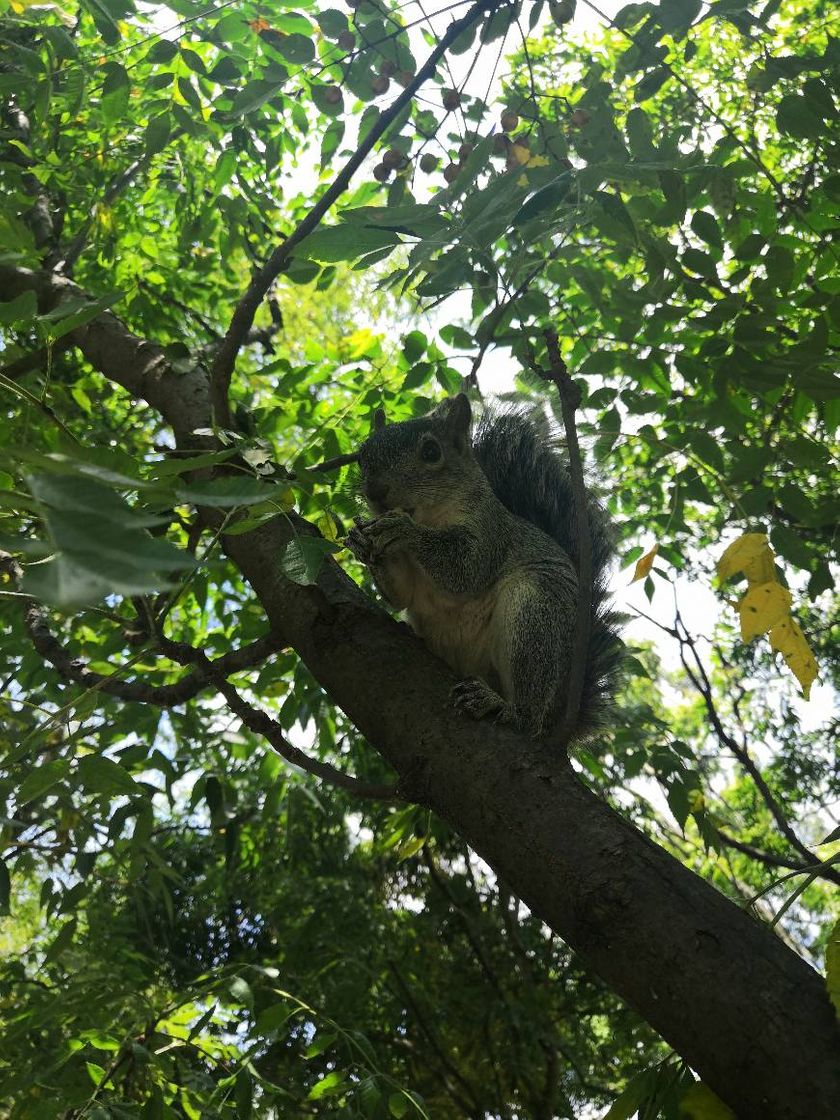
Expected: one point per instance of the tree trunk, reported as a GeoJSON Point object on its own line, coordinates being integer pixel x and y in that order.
{"type": "Point", "coordinates": [750, 1016]}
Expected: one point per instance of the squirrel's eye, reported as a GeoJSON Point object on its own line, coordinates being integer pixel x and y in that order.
{"type": "Point", "coordinates": [429, 451]}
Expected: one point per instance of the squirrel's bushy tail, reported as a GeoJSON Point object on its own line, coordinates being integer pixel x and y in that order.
{"type": "Point", "coordinates": [527, 469]}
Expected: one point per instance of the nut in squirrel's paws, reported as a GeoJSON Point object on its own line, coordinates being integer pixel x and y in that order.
{"type": "Point", "coordinates": [368, 540]}
{"type": "Point", "coordinates": [475, 698]}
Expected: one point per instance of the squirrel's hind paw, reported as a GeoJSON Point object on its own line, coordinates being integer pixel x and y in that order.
{"type": "Point", "coordinates": [475, 698]}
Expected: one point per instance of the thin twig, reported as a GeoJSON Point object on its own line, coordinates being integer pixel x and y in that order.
{"type": "Point", "coordinates": [262, 724]}
{"type": "Point", "coordinates": [700, 680]}
{"type": "Point", "coordinates": [161, 696]}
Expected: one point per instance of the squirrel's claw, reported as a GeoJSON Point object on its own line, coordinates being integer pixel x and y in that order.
{"type": "Point", "coordinates": [474, 698]}
{"type": "Point", "coordinates": [359, 543]}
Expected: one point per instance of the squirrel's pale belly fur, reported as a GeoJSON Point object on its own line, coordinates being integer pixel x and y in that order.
{"type": "Point", "coordinates": [465, 631]}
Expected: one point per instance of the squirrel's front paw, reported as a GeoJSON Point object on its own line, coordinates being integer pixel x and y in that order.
{"type": "Point", "coordinates": [474, 698]}
{"type": "Point", "coordinates": [358, 541]}
{"type": "Point", "coordinates": [368, 540]}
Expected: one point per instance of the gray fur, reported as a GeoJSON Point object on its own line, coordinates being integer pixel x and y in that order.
{"type": "Point", "coordinates": [475, 540]}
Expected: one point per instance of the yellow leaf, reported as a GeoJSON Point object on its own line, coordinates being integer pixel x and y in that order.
{"type": "Point", "coordinates": [749, 551]}
{"type": "Point", "coordinates": [326, 523]}
{"type": "Point", "coordinates": [520, 153]}
{"type": "Point", "coordinates": [832, 966]}
{"type": "Point", "coordinates": [787, 639]}
{"type": "Point", "coordinates": [763, 606]}
{"type": "Point", "coordinates": [522, 181]}
{"type": "Point", "coordinates": [644, 564]}
{"type": "Point", "coordinates": [696, 801]}
{"type": "Point", "coordinates": [700, 1103]}
{"type": "Point", "coordinates": [538, 161]}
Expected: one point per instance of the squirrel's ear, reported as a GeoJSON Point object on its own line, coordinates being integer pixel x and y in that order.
{"type": "Point", "coordinates": [379, 420]}
{"type": "Point", "coordinates": [458, 420]}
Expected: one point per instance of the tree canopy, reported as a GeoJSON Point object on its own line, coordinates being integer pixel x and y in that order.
{"type": "Point", "coordinates": [253, 863]}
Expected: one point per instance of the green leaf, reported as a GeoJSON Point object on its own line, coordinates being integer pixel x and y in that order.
{"type": "Point", "coordinates": [398, 1105]}
{"type": "Point", "coordinates": [832, 966]}
{"type": "Point", "coordinates": [328, 1086]}
{"type": "Point", "coordinates": [157, 135]}
{"type": "Point", "coordinates": [698, 1102]}
{"type": "Point", "coordinates": [99, 774]}
{"type": "Point", "coordinates": [332, 22]}
{"type": "Point", "coordinates": [21, 309]}
{"type": "Point", "coordinates": [73, 493]}
{"type": "Point", "coordinates": [295, 48]}
{"type": "Point", "coordinates": [548, 197]}
{"type": "Point", "coordinates": [414, 345]}
{"type": "Point", "coordinates": [61, 942]}
{"type": "Point", "coordinates": [635, 1093]}
{"type": "Point", "coordinates": [72, 314]}
{"type": "Point", "coordinates": [346, 242]}
{"type": "Point", "coordinates": [42, 778]}
{"type": "Point", "coordinates": [303, 557]}
{"type": "Point", "coordinates": [69, 581]}
{"type": "Point", "coordinates": [323, 1041]}
{"type": "Point", "coordinates": [255, 94]}
{"type": "Point", "coordinates": [274, 1017]}
{"type": "Point", "coordinates": [228, 492]}
{"type": "Point", "coordinates": [706, 227]}
{"type": "Point", "coordinates": [244, 1094]}
{"type": "Point", "coordinates": [800, 116]}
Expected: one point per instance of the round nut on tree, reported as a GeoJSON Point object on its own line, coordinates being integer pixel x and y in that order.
{"type": "Point", "coordinates": [380, 85]}
{"type": "Point", "coordinates": [579, 118]}
{"type": "Point", "coordinates": [404, 77]}
{"type": "Point", "coordinates": [388, 68]}
{"type": "Point", "coordinates": [509, 120]}
{"type": "Point", "coordinates": [332, 95]}
{"type": "Point", "coordinates": [450, 172]}
{"type": "Point", "coordinates": [381, 172]}
{"type": "Point", "coordinates": [451, 99]}
{"type": "Point", "coordinates": [393, 158]}
{"type": "Point", "coordinates": [428, 163]}
{"type": "Point", "coordinates": [465, 151]}
{"type": "Point", "coordinates": [346, 40]}
{"type": "Point", "coordinates": [501, 144]}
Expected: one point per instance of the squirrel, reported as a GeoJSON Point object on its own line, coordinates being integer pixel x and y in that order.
{"type": "Point", "coordinates": [474, 537]}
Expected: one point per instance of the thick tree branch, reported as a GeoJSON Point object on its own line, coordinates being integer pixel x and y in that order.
{"type": "Point", "coordinates": [246, 309]}
{"type": "Point", "coordinates": [139, 366]}
{"type": "Point", "coordinates": [39, 218]}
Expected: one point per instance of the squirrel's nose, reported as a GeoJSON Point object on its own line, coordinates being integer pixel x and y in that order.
{"type": "Point", "coordinates": [377, 491]}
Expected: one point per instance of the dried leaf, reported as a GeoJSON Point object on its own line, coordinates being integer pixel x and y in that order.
{"type": "Point", "coordinates": [644, 564]}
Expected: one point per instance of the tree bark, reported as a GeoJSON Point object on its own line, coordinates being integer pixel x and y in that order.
{"type": "Point", "coordinates": [751, 1017]}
